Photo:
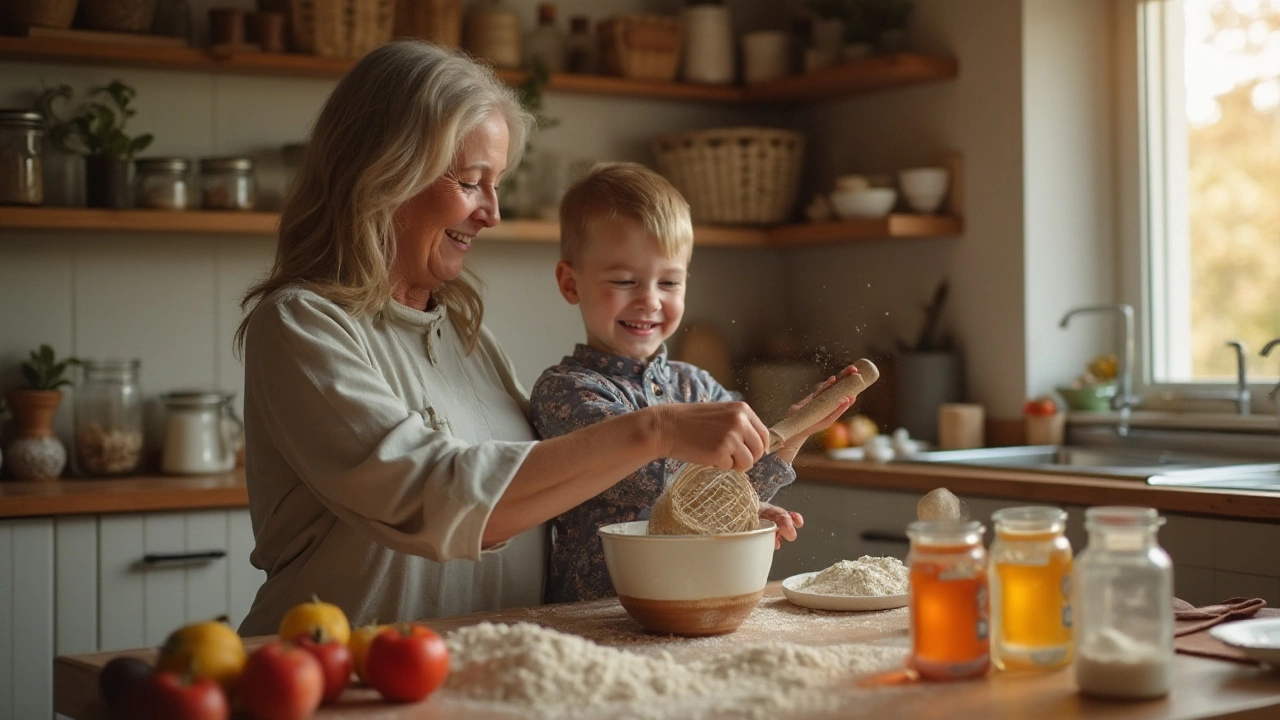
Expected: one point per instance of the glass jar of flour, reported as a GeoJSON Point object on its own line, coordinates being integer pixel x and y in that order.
{"type": "Point", "coordinates": [1124, 606]}
{"type": "Point", "coordinates": [202, 433]}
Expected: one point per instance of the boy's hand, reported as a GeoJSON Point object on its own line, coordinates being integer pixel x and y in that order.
{"type": "Point", "coordinates": [786, 521]}
{"type": "Point", "coordinates": [727, 435]}
{"type": "Point", "coordinates": [795, 441]}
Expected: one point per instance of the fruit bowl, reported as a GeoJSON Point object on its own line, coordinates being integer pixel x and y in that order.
{"type": "Point", "coordinates": [688, 585]}
{"type": "Point", "coordinates": [1095, 398]}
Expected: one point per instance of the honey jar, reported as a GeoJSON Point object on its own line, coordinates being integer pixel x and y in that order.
{"type": "Point", "coordinates": [950, 625]}
{"type": "Point", "coordinates": [1030, 589]}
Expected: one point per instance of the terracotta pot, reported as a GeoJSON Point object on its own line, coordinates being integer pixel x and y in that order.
{"type": "Point", "coordinates": [37, 453]}
{"type": "Point", "coordinates": [33, 411]}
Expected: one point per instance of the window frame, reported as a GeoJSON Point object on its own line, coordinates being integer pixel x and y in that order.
{"type": "Point", "coordinates": [1146, 149]}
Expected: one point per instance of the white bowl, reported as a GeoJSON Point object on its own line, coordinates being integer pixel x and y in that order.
{"type": "Point", "coordinates": [869, 202]}
{"type": "Point", "coordinates": [924, 188]}
{"type": "Point", "coordinates": [688, 584]}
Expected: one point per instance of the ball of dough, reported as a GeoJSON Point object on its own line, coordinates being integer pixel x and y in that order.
{"type": "Point", "coordinates": [940, 504]}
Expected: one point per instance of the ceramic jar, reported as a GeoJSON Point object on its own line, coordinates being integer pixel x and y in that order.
{"type": "Point", "coordinates": [766, 55]}
{"type": "Point", "coordinates": [36, 453]}
{"type": "Point", "coordinates": [493, 34]}
{"type": "Point", "coordinates": [708, 53]}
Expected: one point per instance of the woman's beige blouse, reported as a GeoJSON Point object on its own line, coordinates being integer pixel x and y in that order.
{"type": "Point", "coordinates": [375, 450]}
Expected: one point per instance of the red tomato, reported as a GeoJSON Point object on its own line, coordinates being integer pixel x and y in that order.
{"type": "Point", "coordinates": [407, 662]}
{"type": "Point", "coordinates": [174, 696]}
{"type": "Point", "coordinates": [1042, 406]}
{"type": "Point", "coordinates": [335, 662]}
{"type": "Point", "coordinates": [280, 682]}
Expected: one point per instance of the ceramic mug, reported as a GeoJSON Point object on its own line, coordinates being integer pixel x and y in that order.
{"type": "Point", "coordinates": [765, 56]}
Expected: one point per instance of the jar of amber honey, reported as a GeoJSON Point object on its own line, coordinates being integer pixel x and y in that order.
{"type": "Point", "coordinates": [948, 606]}
{"type": "Point", "coordinates": [1030, 589]}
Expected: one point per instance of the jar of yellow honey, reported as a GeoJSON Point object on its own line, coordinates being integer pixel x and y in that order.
{"type": "Point", "coordinates": [948, 605]}
{"type": "Point", "coordinates": [1030, 589]}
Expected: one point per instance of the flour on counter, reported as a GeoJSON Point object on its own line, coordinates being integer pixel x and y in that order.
{"type": "Point", "coordinates": [555, 674]}
{"type": "Point", "coordinates": [865, 576]}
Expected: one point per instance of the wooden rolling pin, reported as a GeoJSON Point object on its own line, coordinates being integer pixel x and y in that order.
{"type": "Point", "coordinates": [824, 404]}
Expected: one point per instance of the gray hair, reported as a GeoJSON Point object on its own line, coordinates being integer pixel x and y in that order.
{"type": "Point", "coordinates": [387, 131]}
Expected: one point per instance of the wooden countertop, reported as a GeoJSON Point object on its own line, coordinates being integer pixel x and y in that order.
{"type": "Point", "coordinates": [129, 494]}
{"type": "Point", "coordinates": [1203, 688]}
{"type": "Point", "coordinates": [1039, 487]}
{"type": "Point", "coordinates": [156, 493]}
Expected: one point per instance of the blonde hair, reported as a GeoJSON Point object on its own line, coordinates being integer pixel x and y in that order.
{"type": "Point", "coordinates": [610, 191]}
{"type": "Point", "coordinates": [387, 131]}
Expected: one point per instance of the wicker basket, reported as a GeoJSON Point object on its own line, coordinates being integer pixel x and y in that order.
{"type": "Point", "coordinates": [644, 47]}
{"type": "Point", "coordinates": [734, 176]}
{"type": "Point", "coordinates": [341, 28]}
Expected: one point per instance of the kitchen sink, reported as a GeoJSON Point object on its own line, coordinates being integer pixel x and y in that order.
{"type": "Point", "coordinates": [1228, 461]}
{"type": "Point", "coordinates": [1130, 463]}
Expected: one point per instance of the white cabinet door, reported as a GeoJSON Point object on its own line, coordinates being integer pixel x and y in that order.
{"type": "Point", "coordinates": [159, 571]}
{"type": "Point", "coordinates": [26, 618]}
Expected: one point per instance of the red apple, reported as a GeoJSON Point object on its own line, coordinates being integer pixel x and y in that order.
{"type": "Point", "coordinates": [280, 682]}
{"type": "Point", "coordinates": [334, 659]}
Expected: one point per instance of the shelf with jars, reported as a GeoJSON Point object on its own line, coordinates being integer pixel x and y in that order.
{"type": "Point", "coordinates": [212, 222]}
{"type": "Point", "coordinates": [878, 72]}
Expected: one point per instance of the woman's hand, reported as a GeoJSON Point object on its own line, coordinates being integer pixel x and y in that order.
{"type": "Point", "coordinates": [795, 441]}
{"type": "Point", "coordinates": [727, 435]}
{"type": "Point", "coordinates": [786, 521]}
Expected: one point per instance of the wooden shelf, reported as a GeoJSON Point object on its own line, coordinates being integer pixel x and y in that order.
{"type": "Point", "coordinates": [897, 225]}
{"type": "Point", "coordinates": [210, 222]}
{"type": "Point", "coordinates": [869, 74]}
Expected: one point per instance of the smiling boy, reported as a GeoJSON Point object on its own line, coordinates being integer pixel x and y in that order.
{"type": "Point", "coordinates": [625, 244]}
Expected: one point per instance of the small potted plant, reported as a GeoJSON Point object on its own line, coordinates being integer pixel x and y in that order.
{"type": "Point", "coordinates": [97, 131]}
{"type": "Point", "coordinates": [37, 453]}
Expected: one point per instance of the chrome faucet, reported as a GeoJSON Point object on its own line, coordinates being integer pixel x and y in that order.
{"type": "Point", "coordinates": [1243, 396]}
{"type": "Point", "coordinates": [1265, 352]}
{"type": "Point", "coordinates": [1124, 399]}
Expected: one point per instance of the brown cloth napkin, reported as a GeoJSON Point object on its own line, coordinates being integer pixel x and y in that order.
{"type": "Point", "coordinates": [1191, 625]}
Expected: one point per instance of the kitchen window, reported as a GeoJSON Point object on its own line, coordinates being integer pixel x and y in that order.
{"type": "Point", "coordinates": [1207, 118]}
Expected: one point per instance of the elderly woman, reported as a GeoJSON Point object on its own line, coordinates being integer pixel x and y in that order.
{"type": "Point", "coordinates": [391, 466]}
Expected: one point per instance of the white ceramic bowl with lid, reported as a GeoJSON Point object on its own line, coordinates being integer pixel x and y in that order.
{"type": "Point", "coordinates": [688, 584]}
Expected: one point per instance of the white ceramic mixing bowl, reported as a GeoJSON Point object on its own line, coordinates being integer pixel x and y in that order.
{"type": "Point", "coordinates": [688, 584]}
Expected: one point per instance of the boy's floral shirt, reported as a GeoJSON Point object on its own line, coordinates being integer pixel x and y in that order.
{"type": "Point", "coordinates": [588, 387]}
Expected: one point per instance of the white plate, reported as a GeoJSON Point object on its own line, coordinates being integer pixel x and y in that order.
{"type": "Point", "coordinates": [856, 454]}
{"type": "Point", "coordinates": [820, 601]}
{"type": "Point", "coordinates": [1258, 638]}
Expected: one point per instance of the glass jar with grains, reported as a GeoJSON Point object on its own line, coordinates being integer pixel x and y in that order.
{"type": "Point", "coordinates": [21, 147]}
{"type": "Point", "coordinates": [162, 183]}
{"type": "Point", "coordinates": [109, 418]}
{"type": "Point", "coordinates": [227, 183]}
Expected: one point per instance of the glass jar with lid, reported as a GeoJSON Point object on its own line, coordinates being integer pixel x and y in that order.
{"type": "Point", "coordinates": [227, 183]}
{"type": "Point", "coordinates": [162, 183]}
{"type": "Point", "coordinates": [1124, 606]}
{"type": "Point", "coordinates": [21, 153]}
{"type": "Point", "coordinates": [1030, 589]}
{"type": "Point", "coordinates": [108, 412]}
{"type": "Point", "coordinates": [948, 605]}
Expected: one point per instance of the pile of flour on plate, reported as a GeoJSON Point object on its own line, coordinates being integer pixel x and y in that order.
{"type": "Point", "coordinates": [555, 674]}
{"type": "Point", "coordinates": [865, 576]}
